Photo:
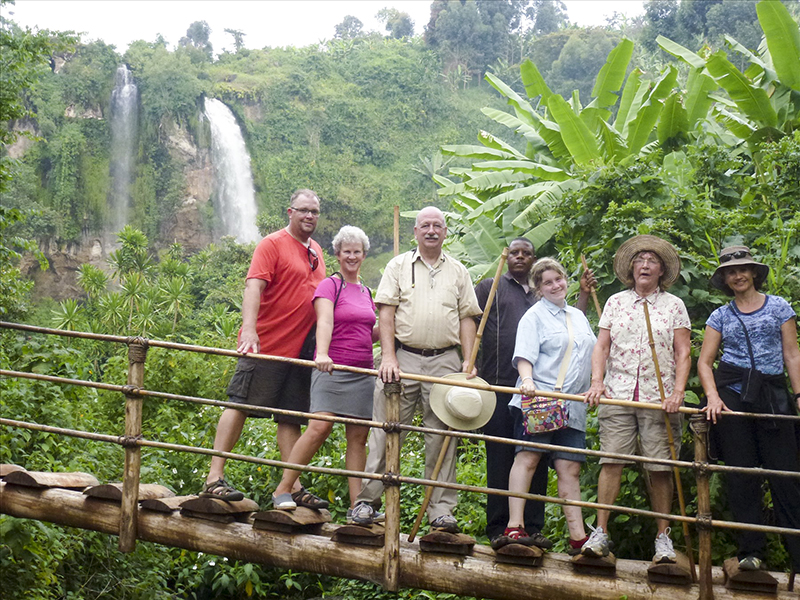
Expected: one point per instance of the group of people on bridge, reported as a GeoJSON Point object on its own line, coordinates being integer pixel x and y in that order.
{"type": "Point", "coordinates": [427, 310]}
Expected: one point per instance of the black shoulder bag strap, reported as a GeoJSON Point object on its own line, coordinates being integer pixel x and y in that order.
{"type": "Point", "coordinates": [751, 381]}
{"type": "Point", "coordinates": [746, 335]}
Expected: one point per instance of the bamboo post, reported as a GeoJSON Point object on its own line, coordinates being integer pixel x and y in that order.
{"type": "Point", "coordinates": [137, 353]}
{"type": "Point", "coordinates": [593, 290]}
{"type": "Point", "coordinates": [396, 230]}
{"type": "Point", "coordinates": [391, 548]}
{"type": "Point", "coordinates": [673, 454]}
{"type": "Point", "coordinates": [472, 358]}
{"type": "Point", "coordinates": [699, 427]}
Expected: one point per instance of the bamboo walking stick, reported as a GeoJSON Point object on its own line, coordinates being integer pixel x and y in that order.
{"type": "Point", "coordinates": [396, 230]}
{"type": "Point", "coordinates": [593, 290]}
{"type": "Point", "coordinates": [472, 358]}
{"type": "Point", "coordinates": [673, 454]}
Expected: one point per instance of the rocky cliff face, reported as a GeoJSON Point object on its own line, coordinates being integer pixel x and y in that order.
{"type": "Point", "coordinates": [188, 226]}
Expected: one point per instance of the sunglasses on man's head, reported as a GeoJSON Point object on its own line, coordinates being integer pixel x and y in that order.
{"type": "Point", "coordinates": [734, 255]}
{"type": "Point", "coordinates": [313, 259]}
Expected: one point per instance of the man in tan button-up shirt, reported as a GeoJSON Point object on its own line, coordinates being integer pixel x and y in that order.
{"type": "Point", "coordinates": [426, 306]}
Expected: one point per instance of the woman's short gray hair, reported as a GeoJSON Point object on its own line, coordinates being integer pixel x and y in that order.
{"type": "Point", "coordinates": [542, 265]}
{"type": "Point", "coordinates": [348, 235]}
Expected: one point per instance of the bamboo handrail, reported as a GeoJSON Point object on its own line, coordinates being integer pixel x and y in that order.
{"type": "Point", "coordinates": [415, 428]}
{"type": "Point", "coordinates": [412, 376]}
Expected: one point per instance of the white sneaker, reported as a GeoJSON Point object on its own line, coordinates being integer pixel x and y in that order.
{"type": "Point", "coordinates": [665, 553]}
{"type": "Point", "coordinates": [597, 546]}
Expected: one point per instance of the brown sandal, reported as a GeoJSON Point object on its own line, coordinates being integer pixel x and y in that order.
{"type": "Point", "coordinates": [303, 497]}
{"type": "Point", "coordinates": [221, 490]}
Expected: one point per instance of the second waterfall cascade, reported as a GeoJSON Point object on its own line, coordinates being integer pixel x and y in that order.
{"type": "Point", "coordinates": [124, 108]}
{"type": "Point", "coordinates": [233, 179]}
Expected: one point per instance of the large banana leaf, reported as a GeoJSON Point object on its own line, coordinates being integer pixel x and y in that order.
{"type": "Point", "coordinates": [515, 195]}
{"type": "Point", "coordinates": [678, 51]}
{"type": "Point", "coordinates": [523, 128]}
{"type": "Point", "coordinates": [612, 144]}
{"type": "Point", "coordinates": [697, 100]}
{"type": "Point", "coordinates": [741, 128]}
{"type": "Point", "coordinates": [534, 82]}
{"type": "Point", "coordinates": [674, 119]}
{"type": "Point", "coordinates": [752, 101]}
{"type": "Point", "coordinates": [578, 139]}
{"type": "Point", "coordinates": [611, 76]}
{"type": "Point", "coordinates": [476, 152]}
{"type": "Point", "coordinates": [758, 67]}
{"type": "Point", "coordinates": [452, 189]}
{"type": "Point", "coordinates": [629, 94]}
{"type": "Point", "coordinates": [547, 198]}
{"type": "Point", "coordinates": [522, 107]}
{"type": "Point", "coordinates": [491, 141]}
{"type": "Point", "coordinates": [525, 166]}
{"type": "Point", "coordinates": [783, 40]}
{"type": "Point", "coordinates": [543, 232]}
{"type": "Point", "coordinates": [592, 116]}
{"type": "Point", "coordinates": [492, 180]}
{"type": "Point", "coordinates": [551, 133]}
{"type": "Point", "coordinates": [641, 127]}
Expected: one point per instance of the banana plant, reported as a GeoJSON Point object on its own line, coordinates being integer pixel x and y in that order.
{"type": "Point", "coordinates": [510, 191]}
{"type": "Point", "coordinates": [763, 102]}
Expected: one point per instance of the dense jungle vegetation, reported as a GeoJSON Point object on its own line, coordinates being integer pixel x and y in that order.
{"type": "Point", "coordinates": [684, 123]}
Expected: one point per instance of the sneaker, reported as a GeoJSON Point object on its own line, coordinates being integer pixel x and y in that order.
{"type": "Point", "coordinates": [283, 502]}
{"type": "Point", "coordinates": [597, 546]}
{"type": "Point", "coordinates": [362, 514]}
{"type": "Point", "coordinates": [446, 523]}
{"type": "Point", "coordinates": [664, 551]}
{"type": "Point", "coordinates": [751, 563]}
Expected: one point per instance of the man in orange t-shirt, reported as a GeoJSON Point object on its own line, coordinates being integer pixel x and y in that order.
{"type": "Point", "coordinates": [277, 317]}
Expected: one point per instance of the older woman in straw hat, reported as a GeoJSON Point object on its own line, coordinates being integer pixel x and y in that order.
{"type": "Point", "coordinates": [758, 335]}
{"type": "Point", "coordinates": [623, 368]}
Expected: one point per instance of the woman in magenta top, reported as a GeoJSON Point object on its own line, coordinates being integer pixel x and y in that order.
{"type": "Point", "coordinates": [345, 333]}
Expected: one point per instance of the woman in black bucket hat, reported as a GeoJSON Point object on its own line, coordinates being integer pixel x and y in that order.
{"type": "Point", "coordinates": [758, 335]}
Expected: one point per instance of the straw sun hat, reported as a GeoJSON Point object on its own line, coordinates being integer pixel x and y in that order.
{"type": "Point", "coordinates": [734, 256]}
{"type": "Point", "coordinates": [459, 407]}
{"type": "Point", "coordinates": [647, 243]}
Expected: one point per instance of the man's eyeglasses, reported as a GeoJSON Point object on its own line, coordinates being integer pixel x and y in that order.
{"type": "Point", "coordinates": [313, 259]}
{"type": "Point", "coordinates": [306, 211]}
{"type": "Point", "coordinates": [733, 255]}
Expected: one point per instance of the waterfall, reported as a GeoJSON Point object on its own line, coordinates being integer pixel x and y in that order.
{"type": "Point", "coordinates": [233, 180]}
{"type": "Point", "coordinates": [124, 104]}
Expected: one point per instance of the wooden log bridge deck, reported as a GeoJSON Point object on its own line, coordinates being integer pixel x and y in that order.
{"type": "Point", "coordinates": [478, 574]}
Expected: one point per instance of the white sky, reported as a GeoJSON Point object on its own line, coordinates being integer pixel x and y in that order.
{"type": "Point", "coordinates": [265, 22]}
